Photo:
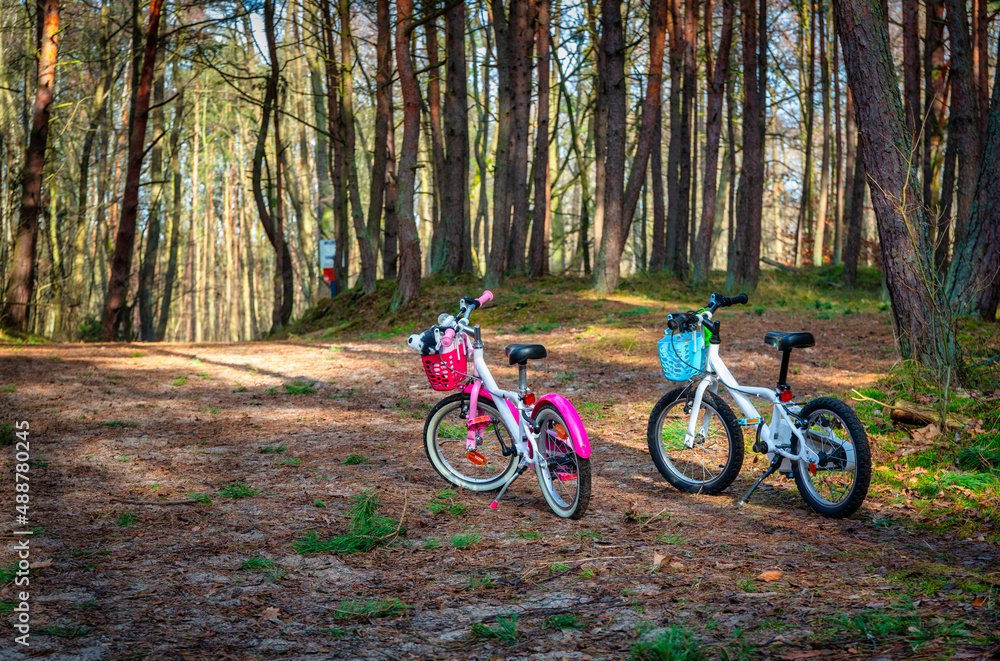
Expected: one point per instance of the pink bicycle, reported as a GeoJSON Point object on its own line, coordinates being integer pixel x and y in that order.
{"type": "Point", "coordinates": [483, 437]}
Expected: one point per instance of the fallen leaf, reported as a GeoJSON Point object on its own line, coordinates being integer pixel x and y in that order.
{"type": "Point", "coordinates": [978, 601]}
{"type": "Point", "coordinates": [41, 564]}
{"type": "Point", "coordinates": [929, 433]}
{"type": "Point", "coordinates": [270, 613]}
{"type": "Point", "coordinates": [658, 559]}
{"type": "Point", "coordinates": [768, 576]}
{"type": "Point", "coordinates": [677, 565]}
{"type": "Point", "coordinates": [725, 565]}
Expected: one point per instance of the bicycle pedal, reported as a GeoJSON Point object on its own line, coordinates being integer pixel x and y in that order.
{"type": "Point", "coordinates": [566, 477]}
{"type": "Point", "coordinates": [482, 422]}
{"type": "Point", "coordinates": [476, 458]}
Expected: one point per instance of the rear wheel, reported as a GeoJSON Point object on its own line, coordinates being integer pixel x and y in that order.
{"type": "Point", "coordinates": [563, 475]}
{"type": "Point", "coordinates": [713, 458]}
{"type": "Point", "coordinates": [837, 484]}
{"type": "Point", "coordinates": [445, 433]}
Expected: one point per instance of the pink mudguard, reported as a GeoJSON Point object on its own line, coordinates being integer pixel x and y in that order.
{"type": "Point", "coordinates": [449, 336]}
{"type": "Point", "coordinates": [572, 418]}
{"type": "Point", "coordinates": [485, 298]}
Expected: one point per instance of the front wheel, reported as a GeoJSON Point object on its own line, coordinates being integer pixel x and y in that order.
{"type": "Point", "coordinates": [712, 459]}
{"type": "Point", "coordinates": [563, 475]}
{"type": "Point", "coordinates": [445, 433]}
{"type": "Point", "coordinates": [837, 484]}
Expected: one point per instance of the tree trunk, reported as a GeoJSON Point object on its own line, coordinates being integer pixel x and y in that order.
{"type": "Point", "coordinates": [408, 286]}
{"type": "Point", "coordinates": [675, 27]}
{"type": "Point", "coordinates": [366, 239]}
{"type": "Point", "coordinates": [612, 77]}
{"type": "Point", "coordinates": [497, 260]}
{"type": "Point", "coordinates": [923, 328]}
{"type": "Point", "coordinates": [687, 120]}
{"type": "Point", "coordinates": [147, 273]}
{"type": "Point", "coordinates": [439, 236]}
{"type": "Point", "coordinates": [121, 261]}
{"type": "Point", "coordinates": [342, 261]}
{"type": "Point", "coordinates": [21, 286]}
{"type": "Point", "coordinates": [175, 217]}
{"type": "Point", "coordinates": [383, 121]}
{"type": "Point", "coordinates": [805, 204]}
{"type": "Point", "coordinates": [702, 257]}
{"type": "Point", "coordinates": [538, 254]}
{"type": "Point", "coordinates": [964, 112]}
{"type": "Point", "coordinates": [911, 67]}
{"type": "Point", "coordinates": [522, 38]}
{"type": "Point", "coordinates": [855, 213]}
{"type": "Point", "coordinates": [746, 254]}
{"type": "Point", "coordinates": [658, 249]}
{"type": "Point", "coordinates": [455, 192]}
{"type": "Point", "coordinates": [974, 280]}
{"type": "Point", "coordinates": [935, 84]}
{"type": "Point", "coordinates": [819, 228]}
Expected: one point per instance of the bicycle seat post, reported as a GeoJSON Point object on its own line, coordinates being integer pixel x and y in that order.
{"type": "Point", "coordinates": [522, 378]}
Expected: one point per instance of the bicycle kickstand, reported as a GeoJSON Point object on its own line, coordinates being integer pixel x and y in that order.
{"type": "Point", "coordinates": [768, 473]}
{"type": "Point", "coordinates": [503, 489]}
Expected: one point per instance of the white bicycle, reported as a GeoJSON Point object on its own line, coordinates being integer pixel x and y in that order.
{"type": "Point", "coordinates": [696, 440]}
{"type": "Point", "coordinates": [483, 437]}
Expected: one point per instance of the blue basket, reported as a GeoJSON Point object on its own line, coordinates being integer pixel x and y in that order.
{"type": "Point", "coordinates": [682, 355]}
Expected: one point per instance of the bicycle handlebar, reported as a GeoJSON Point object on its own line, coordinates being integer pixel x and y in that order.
{"type": "Point", "coordinates": [466, 306]}
{"type": "Point", "coordinates": [449, 337]}
{"type": "Point", "coordinates": [719, 301]}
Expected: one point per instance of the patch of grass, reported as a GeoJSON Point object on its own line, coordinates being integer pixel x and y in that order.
{"type": "Point", "coordinates": [273, 449]}
{"type": "Point", "coordinates": [903, 620]}
{"type": "Point", "coordinates": [137, 354]}
{"type": "Point", "coordinates": [318, 503]}
{"type": "Point", "coordinates": [126, 519]}
{"type": "Point", "coordinates": [478, 581]}
{"type": "Point", "coordinates": [120, 423]}
{"type": "Point", "coordinates": [7, 436]}
{"type": "Point", "coordinates": [528, 534]}
{"type": "Point", "coordinates": [336, 634]}
{"type": "Point", "coordinates": [565, 377]}
{"type": "Point", "coordinates": [559, 567]}
{"type": "Point", "coordinates": [271, 392]}
{"type": "Point", "coordinates": [445, 502]}
{"type": "Point", "coordinates": [200, 497]}
{"type": "Point", "coordinates": [635, 312]}
{"type": "Point", "coordinates": [212, 410]}
{"type": "Point", "coordinates": [432, 543]}
{"type": "Point", "coordinates": [564, 621]}
{"type": "Point", "coordinates": [366, 530]}
{"type": "Point", "coordinates": [205, 375]}
{"type": "Point", "coordinates": [667, 537]}
{"type": "Point", "coordinates": [264, 566]}
{"type": "Point", "coordinates": [588, 534]}
{"type": "Point", "coordinates": [747, 585]}
{"type": "Point", "coordinates": [238, 490]}
{"type": "Point", "coordinates": [369, 609]}
{"type": "Point", "coordinates": [504, 630]}
{"type": "Point", "coordinates": [465, 540]}
{"type": "Point", "coordinates": [239, 390]}
{"type": "Point", "coordinates": [531, 329]}
{"type": "Point", "coordinates": [69, 631]}
{"type": "Point", "coordinates": [288, 461]}
{"type": "Point", "coordinates": [672, 644]}
{"type": "Point", "coordinates": [9, 389]}
{"type": "Point", "coordinates": [354, 460]}
{"type": "Point", "coordinates": [124, 458]}
{"type": "Point", "coordinates": [300, 388]}
{"type": "Point", "coordinates": [588, 572]}
{"type": "Point", "coordinates": [179, 381]}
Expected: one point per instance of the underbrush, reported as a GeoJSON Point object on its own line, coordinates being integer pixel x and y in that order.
{"type": "Point", "coordinates": [941, 472]}
{"type": "Point", "coordinates": [538, 305]}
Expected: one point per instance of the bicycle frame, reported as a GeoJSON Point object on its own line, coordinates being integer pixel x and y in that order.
{"type": "Point", "coordinates": [769, 432]}
{"type": "Point", "coordinates": [516, 415]}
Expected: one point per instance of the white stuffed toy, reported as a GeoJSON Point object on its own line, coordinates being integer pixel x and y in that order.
{"type": "Point", "coordinates": [427, 343]}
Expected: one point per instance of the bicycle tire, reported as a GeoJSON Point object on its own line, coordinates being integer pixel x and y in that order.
{"type": "Point", "coordinates": [734, 433]}
{"type": "Point", "coordinates": [559, 454]}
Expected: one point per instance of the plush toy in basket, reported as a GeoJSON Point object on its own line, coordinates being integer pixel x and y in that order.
{"type": "Point", "coordinates": [446, 367]}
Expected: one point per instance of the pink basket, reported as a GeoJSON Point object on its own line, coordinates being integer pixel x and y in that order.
{"type": "Point", "coordinates": [446, 371]}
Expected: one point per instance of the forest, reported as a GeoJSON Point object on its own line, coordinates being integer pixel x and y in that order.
{"type": "Point", "coordinates": [168, 170]}
{"type": "Point", "coordinates": [235, 235]}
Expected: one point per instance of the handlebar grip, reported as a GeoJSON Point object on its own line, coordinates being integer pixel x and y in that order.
{"type": "Point", "coordinates": [485, 298]}
{"type": "Point", "coordinates": [449, 336]}
{"type": "Point", "coordinates": [742, 299]}
{"type": "Point", "coordinates": [672, 324]}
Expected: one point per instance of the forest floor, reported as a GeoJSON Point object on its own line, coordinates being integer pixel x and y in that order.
{"type": "Point", "coordinates": [274, 440]}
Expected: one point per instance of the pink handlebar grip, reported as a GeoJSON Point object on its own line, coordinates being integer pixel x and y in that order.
{"type": "Point", "coordinates": [485, 298]}
{"type": "Point", "coordinates": [449, 335]}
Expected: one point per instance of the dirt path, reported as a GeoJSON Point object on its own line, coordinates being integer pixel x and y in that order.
{"type": "Point", "coordinates": [118, 423]}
